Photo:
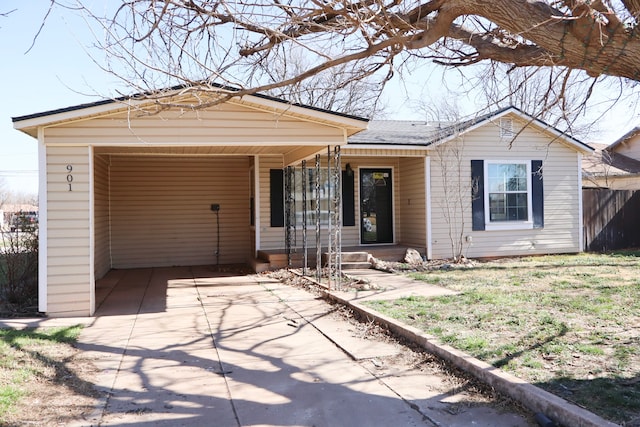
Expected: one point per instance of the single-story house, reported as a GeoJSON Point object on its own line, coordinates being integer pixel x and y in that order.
{"type": "Point", "coordinates": [615, 166]}
{"type": "Point", "coordinates": [125, 184]}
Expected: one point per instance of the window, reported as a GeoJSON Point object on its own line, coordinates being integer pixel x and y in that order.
{"type": "Point", "coordinates": [507, 191]}
{"type": "Point", "coordinates": [278, 197]}
{"type": "Point", "coordinates": [507, 195]}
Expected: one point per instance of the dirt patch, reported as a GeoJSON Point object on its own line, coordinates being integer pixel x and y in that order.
{"type": "Point", "coordinates": [55, 382]}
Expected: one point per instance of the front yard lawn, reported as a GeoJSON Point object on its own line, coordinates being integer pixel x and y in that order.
{"type": "Point", "coordinates": [569, 324]}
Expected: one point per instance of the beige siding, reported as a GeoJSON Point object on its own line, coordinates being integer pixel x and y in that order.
{"type": "Point", "coordinates": [630, 148]}
{"type": "Point", "coordinates": [161, 216]}
{"type": "Point", "coordinates": [621, 182]}
{"type": "Point", "coordinates": [561, 196]}
{"type": "Point", "coordinates": [412, 203]}
{"type": "Point", "coordinates": [102, 260]}
{"type": "Point", "coordinates": [223, 124]}
{"type": "Point", "coordinates": [68, 221]}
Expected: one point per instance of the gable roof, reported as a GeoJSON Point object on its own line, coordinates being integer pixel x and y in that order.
{"type": "Point", "coordinates": [29, 123]}
{"type": "Point", "coordinates": [624, 138]}
{"type": "Point", "coordinates": [604, 162]}
{"type": "Point", "coordinates": [428, 134]}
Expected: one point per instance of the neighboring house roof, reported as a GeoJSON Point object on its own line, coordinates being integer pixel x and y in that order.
{"type": "Point", "coordinates": [605, 162]}
{"type": "Point", "coordinates": [624, 138]}
{"type": "Point", "coordinates": [426, 134]}
{"type": "Point", "coordinates": [29, 123]}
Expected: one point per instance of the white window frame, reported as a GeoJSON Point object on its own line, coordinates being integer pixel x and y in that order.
{"type": "Point", "coordinates": [507, 225]}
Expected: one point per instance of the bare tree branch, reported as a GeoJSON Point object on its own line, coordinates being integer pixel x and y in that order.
{"type": "Point", "coordinates": [161, 43]}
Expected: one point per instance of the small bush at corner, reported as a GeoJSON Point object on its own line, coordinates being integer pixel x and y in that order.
{"type": "Point", "coordinates": [19, 271]}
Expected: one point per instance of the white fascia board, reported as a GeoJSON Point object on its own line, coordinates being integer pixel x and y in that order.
{"type": "Point", "coordinates": [73, 115]}
{"type": "Point", "coordinates": [402, 147]}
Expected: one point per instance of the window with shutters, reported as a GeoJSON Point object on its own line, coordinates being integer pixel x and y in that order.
{"type": "Point", "coordinates": [508, 194]}
{"type": "Point", "coordinates": [325, 191]}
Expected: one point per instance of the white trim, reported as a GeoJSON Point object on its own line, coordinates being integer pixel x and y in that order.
{"type": "Point", "coordinates": [507, 225]}
{"type": "Point", "coordinates": [257, 203]}
{"type": "Point", "coordinates": [400, 147]}
{"type": "Point", "coordinates": [580, 214]}
{"type": "Point", "coordinates": [393, 205]}
{"type": "Point", "coordinates": [42, 223]}
{"type": "Point", "coordinates": [427, 191]}
{"type": "Point", "coordinates": [92, 243]}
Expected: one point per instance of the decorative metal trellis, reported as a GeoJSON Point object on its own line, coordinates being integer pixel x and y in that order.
{"type": "Point", "coordinates": [335, 218]}
{"type": "Point", "coordinates": [305, 258]}
{"type": "Point", "coordinates": [290, 212]}
{"type": "Point", "coordinates": [318, 237]}
{"type": "Point", "coordinates": [332, 186]}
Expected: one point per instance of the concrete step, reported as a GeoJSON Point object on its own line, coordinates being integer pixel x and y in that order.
{"type": "Point", "coordinates": [355, 265]}
{"type": "Point", "coordinates": [355, 256]}
{"type": "Point", "coordinates": [349, 257]}
{"type": "Point", "coordinates": [259, 265]}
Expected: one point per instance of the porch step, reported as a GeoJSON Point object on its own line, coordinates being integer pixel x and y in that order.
{"type": "Point", "coordinates": [259, 265]}
{"type": "Point", "coordinates": [356, 265]}
{"type": "Point", "coordinates": [351, 260]}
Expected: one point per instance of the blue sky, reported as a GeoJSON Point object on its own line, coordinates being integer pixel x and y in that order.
{"type": "Point", "coordinates": [58, 72]}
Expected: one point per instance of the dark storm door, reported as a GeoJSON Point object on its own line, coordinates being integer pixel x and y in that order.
{"type": "Point", "coordinates": [376, 219]}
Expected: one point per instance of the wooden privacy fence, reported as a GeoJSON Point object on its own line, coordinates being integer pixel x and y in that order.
{"type": "Point", "coordinates": [611, 219]}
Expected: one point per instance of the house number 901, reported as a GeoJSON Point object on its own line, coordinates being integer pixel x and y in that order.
{"type": "Point", "coordinates": [69, 176]}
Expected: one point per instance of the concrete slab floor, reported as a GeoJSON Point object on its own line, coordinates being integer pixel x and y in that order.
{"type": "Point", "coordinates": [187, 347]}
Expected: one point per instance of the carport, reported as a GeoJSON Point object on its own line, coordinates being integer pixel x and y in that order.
{"type": "Point", "coordinates": [127, 183]}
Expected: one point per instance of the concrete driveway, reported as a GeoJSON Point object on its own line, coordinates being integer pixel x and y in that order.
{"type": "Point", "coordinates": [195, 347]}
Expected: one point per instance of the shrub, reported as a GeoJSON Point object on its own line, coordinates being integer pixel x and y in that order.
{"type": "Point", "coordinates": [19, 271]}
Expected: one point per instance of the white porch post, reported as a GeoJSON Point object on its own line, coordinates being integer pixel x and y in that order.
{"type": "Point", "coordinates": [427, 207]}
{"type": "Point", "coordinates": [42, 222]}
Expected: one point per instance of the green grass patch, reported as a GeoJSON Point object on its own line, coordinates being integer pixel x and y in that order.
{"type": "Point", "coordinates": [25, 355]}
{"type": "Point", "coordinates": [568, 323]}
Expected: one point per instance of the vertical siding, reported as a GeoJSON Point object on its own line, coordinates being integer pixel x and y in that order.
{"type": "Point", "coordinates": [161, 216]}
{"type": "Point", "coordinates": [561, 196]}
{"type": "Point", "coordinates": [412, 203]}
{"type": "Point", "coordinates": [69, 284]}
{"type": "Point", "coordinates": [102, 260]}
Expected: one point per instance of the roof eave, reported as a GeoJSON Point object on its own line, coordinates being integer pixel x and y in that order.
{"type": "Point", "coordinates": [30, 123]}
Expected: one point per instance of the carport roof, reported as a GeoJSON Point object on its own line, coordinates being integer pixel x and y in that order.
{"type": "Point", "coordinates": [29, 123]}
